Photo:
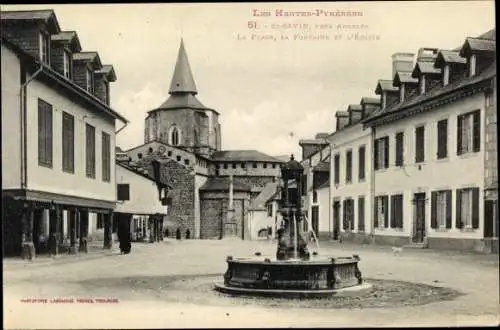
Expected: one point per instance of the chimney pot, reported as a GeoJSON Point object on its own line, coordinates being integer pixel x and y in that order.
{"type": "Point", "coordinates": [402, 62]}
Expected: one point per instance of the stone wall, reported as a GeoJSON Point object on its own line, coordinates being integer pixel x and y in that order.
{"type": "Point", "coordinates": [182, 180]}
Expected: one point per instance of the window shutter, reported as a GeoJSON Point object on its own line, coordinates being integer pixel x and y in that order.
{"type": "Point", "coordinates": [386, 213]}
{"type": "Point", "coordinates": [361, 214]}
{"type": "Point", "coordinates": [448, 209]}
{"type": "Point", "coordinates": [386, 152]}
{"type": "Point", "coordinates": [375, 158]}
{"type": "Point", "coordinates": [475, 208]}
{"type": "Point", "coordinates": [393, 213]}
{"type": "Point", "coordinates": [375, 212]}
{"type": "Point", "coordinates": [434, 210]}
{"type": "Point", "coordinates": [400, 213]}
{"type": "Point", "coordinates": [442, 139]}
{"type": "Point", "coordinates": [361, 163]}
{"type": "Point", "coordinates": [458, 216]}
{"type": "Point", "coordinates": [344, 214]}
{"type": "Point", "coordinates": [351, 212]}
{"type": "Point", "coordinates": [459, 135]}
{"type": "Point", "coordinates": [476, 131]}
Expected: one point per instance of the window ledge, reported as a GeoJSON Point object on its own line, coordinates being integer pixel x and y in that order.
{"type": "Point", "coordinates": [442, 229]}
{"type": "Point", "coordinates": [443, 160]}
{"type": "Point", "coordinates": [381, 170]}
{"type": "Point", "coordinates": [468, 154]}
{"type": "Point", "coordinates": [468, 230]}
{"type": "Point", "coordinates": [45, 165]}
{"type": "Point", "coordinates": [361, 180]}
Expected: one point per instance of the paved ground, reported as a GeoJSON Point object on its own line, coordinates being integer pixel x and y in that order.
{"type": "Point", "coordinates": [133, 307]}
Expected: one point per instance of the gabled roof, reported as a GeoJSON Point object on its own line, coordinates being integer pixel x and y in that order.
{"type": "Point", "coordinates": [449, 56]}
{"type": "Point", "coordinates": [354, 107]}
{"type": "Point", "coordinates": [476, 45]}
{"type": "Point", "coordinates": [221, 183]}
{"type": "Point", "coordinates": [70, 37]}
{"type": "Point", "coordinates": [341, 113]}
{"type": "Point", "coordinates": [314, 142]}
{"type": "Point", "coordinates": [108, 71]}
{"type": "Point", "coordinates": [385, 85]}
{"type": "Point", "coordinates": [92, 57]}
{"type": "Point", "coordinates": [404, 77]}
{"type": "Point", "coordinates": [426, 67]}
{"type": "Point", "coordinates": [243, 156]}
{"type": "Point", "coordinates": [269, 191]}
{"type": "Point", "coordinates": [45, 15]}
{"type": "Point", "coordinates": [370, 100]}
{"type": "Point", "coordinates": [182, 80]}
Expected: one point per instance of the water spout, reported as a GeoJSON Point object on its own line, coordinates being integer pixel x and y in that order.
{"type": "Point", "coordinates": [310, 230]}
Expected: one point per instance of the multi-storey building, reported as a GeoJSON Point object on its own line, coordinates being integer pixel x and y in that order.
{"type": "Point", "coordinates": [429, 151]}
{"type": "Point", "coordinates": [58, 136]}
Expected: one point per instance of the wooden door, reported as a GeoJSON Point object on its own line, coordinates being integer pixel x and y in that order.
{"type": "Point", "coordinates": [419, 218]}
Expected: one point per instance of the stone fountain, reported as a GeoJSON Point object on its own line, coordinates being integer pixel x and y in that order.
{"type": "Point", "coordinates": [293, 272]}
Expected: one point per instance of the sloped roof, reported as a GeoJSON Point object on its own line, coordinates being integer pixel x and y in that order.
{"type": "Point", "coordinates": [269, 191]}
{"type": "Point", "coordinates": [488, 73]}
{"type": "Point", "coordinates": [341, 114]}
{"type": "Point", "coordinates": [448, 56]}
{"type": "Point", "coordinates": [425, 67]}
{"type": "Point", "coordinates": [355, 107]}
{"type": "Point", "coordinates": [404, 77]}
{"type": "Point", "coordinates": [182, 79]}
{"type": "Point", "coordinates": [313, 141]}
{"type": "Point", "coordinates": [322, 166]}
{"type": "Point", "coordinates": [321, 135]}
{"type": "Point", "coordinates": [478, 45]}
{"type": "Point", "coordinates": [385, 85]}
{"type": "Point", "coordinates": [109, 71]}
{"type": "Point", "coordinates": [46, 15]}
{"type": "Point", "coordinates": [283, 158]}
{"type": "Point", "coordinates": [135, 168]}
{"type": "Point", "coordinates": [88, 56]}
{"type": "Point", "coordinates": [242, 156]}
{"type": "Point", "coordinates": [70, 37]}
{"type": "Point", "coordinates": [490, 35]}
{"type": "Point", "coordinates": [182, 101]}
{"type": "Point", "coordinates": [370, 100]}
{"type": "Point", "coordinates": [221, 183]}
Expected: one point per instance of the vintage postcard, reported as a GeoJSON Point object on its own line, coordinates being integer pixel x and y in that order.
{"type": "Point", "coordinates": [232, 165]}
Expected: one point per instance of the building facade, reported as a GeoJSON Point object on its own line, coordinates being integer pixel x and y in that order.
{"type": "Point", "coordinates": [58, 134]}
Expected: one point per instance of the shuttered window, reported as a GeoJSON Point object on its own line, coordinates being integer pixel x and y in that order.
{"type": "Point", "coordinates": [106, 157]}
{"type": "Point", "coordinates": [381, 212]}
{"type": "Point", "coordinates": [348, 214]}
{"type": "Point", "coordinates": [399, 148]}
{"type": "Point", "coordinates": [469, 132]}
{"type": "Point", "coordinates": [348, 167]}
{"type": "Point", "coordinates": [442, 139]}
{"type": "Point", "coordinates": [381, 153]}
{"type": "Point", "coordinates": [90, 151]}
{"type": "Point", "coordinates": [467, 208]}
{"type": "Point", "coordinates": [441, 209]}
{"type": "Point", "coordinates": [361, 162]}
{"type": "Point", "coordinates": [44, 133]}
{"type": "Point", "coordinates": [336, 169]}
{"type": "Point", "coordinates": [68, 143]}
{"type": "Point", "coordinates": [361, 214]}
{"type": "Point", "coordinates": [420, 144]}
{"type": "Point", "coordinates": [397, 211]}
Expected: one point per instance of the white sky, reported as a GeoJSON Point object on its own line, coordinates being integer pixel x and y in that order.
{"type": "Point", "coordinates": [263, 89]}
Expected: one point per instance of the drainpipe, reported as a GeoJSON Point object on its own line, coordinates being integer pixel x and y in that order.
{"type": "Point", "coordinates": [22, 132]}
{"type": "Point", "coordinates": [372, 184]}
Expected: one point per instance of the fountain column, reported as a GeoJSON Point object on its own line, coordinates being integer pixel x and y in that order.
{"type": "Point", "coordinates": [229, 228]}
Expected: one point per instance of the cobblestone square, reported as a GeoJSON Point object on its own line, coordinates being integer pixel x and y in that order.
{"type": "Point", "coordinates": [154, 287]}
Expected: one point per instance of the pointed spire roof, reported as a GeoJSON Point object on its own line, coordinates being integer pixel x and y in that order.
{"type": "Point", "coordinates": [182, 80]}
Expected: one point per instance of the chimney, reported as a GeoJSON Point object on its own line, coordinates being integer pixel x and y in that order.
{"type": "Point", "coordinates": [101, 84]}
{"type": "Point", "coordinates": [355, 112]}
{"type": "Point", "coordinates": [427, 54]}
{"type": "Point", "coordinates": [402, 62]}
{"type": "Point", "coordinates": [342, 119]}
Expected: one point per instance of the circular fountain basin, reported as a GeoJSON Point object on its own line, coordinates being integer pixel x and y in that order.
{"type": "Point", "coordinates": [319, 276]}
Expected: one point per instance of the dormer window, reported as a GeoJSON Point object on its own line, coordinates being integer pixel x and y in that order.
{"type": "Point", "coordinates": [106, 87]}
{"type": "Point", "coordinates": [446, 74]}
{"type": "Point", "coordinates": [472, 65]}
{"type": "Point", "coordinates": [89, 80]}
{"type": "Point", "coordinates": [67, 64]}
{"type": "Point", "coordinates": [44, 46]}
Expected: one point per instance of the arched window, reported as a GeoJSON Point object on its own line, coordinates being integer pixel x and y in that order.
{"type": "Point", "coordinates": [174, 136]}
